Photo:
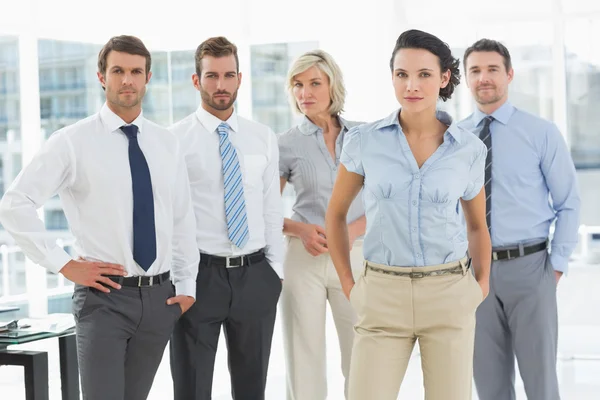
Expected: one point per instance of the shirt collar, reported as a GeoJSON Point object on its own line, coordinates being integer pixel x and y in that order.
{"type": "Point", "coordinates": [210, 122]}
{"type": "Point", "coordinates": [442, 116]}
{"type": "Point", "coordinates": [307, 127]}
{"type": "Point", "coordinates": [502, 114]}
{"type": "Point", "coordinates": [112, 122]}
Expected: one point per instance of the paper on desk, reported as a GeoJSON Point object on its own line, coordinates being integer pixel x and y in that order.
{"type": "Point", "coordinates": [6, 325]}
{"type": "Point", "coordinates": [52, 323]}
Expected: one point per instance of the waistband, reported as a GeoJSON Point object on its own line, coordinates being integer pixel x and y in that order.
{"type": "Point", "coordinates": [456, 267]}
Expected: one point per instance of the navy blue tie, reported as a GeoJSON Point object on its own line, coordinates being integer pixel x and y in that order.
{"type": "Point", "coordinates": [144, 231]}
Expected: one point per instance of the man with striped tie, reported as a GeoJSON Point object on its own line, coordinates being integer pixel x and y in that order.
{"type": "Point", "coordinates": [232, 163]}
{"type": "Point", "coordinates": [527, 164]}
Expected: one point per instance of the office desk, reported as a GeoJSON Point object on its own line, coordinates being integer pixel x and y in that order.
{"type": "Point", "coordinates": [36, 364]}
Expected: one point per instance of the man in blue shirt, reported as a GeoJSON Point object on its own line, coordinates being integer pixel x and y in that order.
{"type": "Point", "coordinates": [530, 183]}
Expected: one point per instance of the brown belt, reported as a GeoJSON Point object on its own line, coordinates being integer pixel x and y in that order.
{"type": "Point", "coordinates": [459, 269]}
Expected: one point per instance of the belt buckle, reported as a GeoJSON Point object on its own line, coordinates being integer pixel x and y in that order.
{"type": "Point", "coordinates": [417, 274]}
{"type": "Point", "coordinates": [150, 282]}
{"type": "Point", "coordinates": [228, 262]}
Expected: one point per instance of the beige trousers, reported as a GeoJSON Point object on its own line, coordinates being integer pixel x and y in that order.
{"type": "Point", "coordinates": [394, 311]}
{"type": "Point", "coordinates": [309, 283]}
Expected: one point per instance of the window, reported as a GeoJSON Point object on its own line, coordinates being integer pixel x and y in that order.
{"type": "Point", "coordinates": [269, 66]}
{"type": "Point", "coordinates": [183, 66]}
{"type": "Point", "coordinates": [532, 87]}
{"type": "Point", "coordinates": [45, 107]}
{"type": "Point", "coordinates": [46, 79]}
{"type": "Point", "coordinates": [13, 110]}
{"type": "Point", "coordinates": [17, 164]}
{"type": "Point", "coordinates": [583, 90]}
{"type": "Point", "coordinates": [11, 81]}
{"type": "Point", "coordinates": [1, 177]}
{"type": "Point", "coordinates": [56, 220]}
{"type": "Point", "coordinates": [160, 68]}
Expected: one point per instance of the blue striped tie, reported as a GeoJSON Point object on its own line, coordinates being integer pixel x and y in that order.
{"type": "Point", "coordinates": [235, 205]}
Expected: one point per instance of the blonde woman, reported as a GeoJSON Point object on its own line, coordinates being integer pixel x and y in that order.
{"type": "Point", "coordinates": [309, 160]}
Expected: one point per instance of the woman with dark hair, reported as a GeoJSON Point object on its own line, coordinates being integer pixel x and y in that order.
{"type": "Point", "coordinates": [417, 167]}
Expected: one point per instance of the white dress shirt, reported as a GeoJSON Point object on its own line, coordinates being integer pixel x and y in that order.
{"type": "Point", "coordinates": [258, 155]}
{"type": "Point", "coordinates": [87, 164]}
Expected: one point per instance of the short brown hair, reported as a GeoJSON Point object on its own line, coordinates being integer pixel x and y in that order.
{"type": "Point", "coordinates": [489, 45]}
{"type": "Point", "coordinates": [216, 47]}
{"type": "Point", "coordinates": [124, 44]}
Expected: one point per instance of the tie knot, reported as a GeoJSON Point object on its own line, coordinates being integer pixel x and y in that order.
{"type": "Point", "coordinates": [223, 128]}
{"type": "Point", "coordinates": [488, 120]}
{"type": "Point", "coordinates": [130, 131]}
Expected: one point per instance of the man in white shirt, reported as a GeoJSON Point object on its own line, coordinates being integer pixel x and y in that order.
{"type": "Point", "coordinates": [233, 169]}
{"type": "Point", "coordinates": [123, 184]}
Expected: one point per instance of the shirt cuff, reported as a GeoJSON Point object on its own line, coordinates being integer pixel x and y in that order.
{"type": "Point", "coordinates": [278, 268]}
{"type": "Point", "coordinates": [56, 259]}
{"type": "Point", "coordinates": [186, 288]}
{"type": "Point", "coordinates": [559, 263]}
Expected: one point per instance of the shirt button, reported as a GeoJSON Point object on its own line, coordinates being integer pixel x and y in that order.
{"type": "Point", "coordinates": [414, 202]}
{"type": "Point", "coordinates": [418, 255]}
{"type": "Point", "coordinates": [335, 168]}
{"type": "Point", "coordinates": [414, 229]}
{"type": "Point", "coordinates": [417, 176]}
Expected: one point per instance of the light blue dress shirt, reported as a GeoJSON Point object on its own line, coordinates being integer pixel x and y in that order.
{"type": "Point", "coordinates": [533, 182]}
{"type": "Point", "coordinates": [412, 214]}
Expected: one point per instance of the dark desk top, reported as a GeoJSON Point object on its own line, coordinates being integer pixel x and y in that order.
{"type": "Point", "coordinates": [8, 308]}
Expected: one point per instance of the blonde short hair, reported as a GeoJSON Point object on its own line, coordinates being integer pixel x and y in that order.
{"type": "Point", "coordinates": [326, 63]}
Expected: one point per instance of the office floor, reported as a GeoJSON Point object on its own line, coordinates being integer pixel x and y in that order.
{"type": "Point", "coordinates": [578, 367]}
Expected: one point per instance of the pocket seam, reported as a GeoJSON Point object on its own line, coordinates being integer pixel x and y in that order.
{"type": "Point", "coordinates": [354, 288]}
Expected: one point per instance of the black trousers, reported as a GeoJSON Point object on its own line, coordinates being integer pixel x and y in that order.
{"type": "Point", "coordinates": [244, 301]}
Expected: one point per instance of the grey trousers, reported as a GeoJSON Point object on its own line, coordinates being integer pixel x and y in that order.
{"type": "Point", "coordinates": [518, 318]}
{"type": "Point", "coordinates": [121, 338]}
{"type": "Point", "coordinates": [244, 301]}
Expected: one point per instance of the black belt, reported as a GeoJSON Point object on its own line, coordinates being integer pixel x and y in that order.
{"type": "Point", "coordinates": [207, 260]}
{"type": "Point", "coordinates": [509, 254]}
{"type": "Point", "coordinates": [141, 281]}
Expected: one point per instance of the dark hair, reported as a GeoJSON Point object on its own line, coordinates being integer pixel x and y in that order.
{"type": "Point", "coordinates": [415, 39]}
{"type": "Point", "coordinates": [124, 44]}
{"type": "Point", "coordinates": [216, 47]}
{"type": "Point", "coordinates": [490, 46]}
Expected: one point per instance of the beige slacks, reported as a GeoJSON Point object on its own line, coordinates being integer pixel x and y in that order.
{"type": "Point", "coordinates": [393, 312]}
{"type": "Point", "coordinates": [309, 283]}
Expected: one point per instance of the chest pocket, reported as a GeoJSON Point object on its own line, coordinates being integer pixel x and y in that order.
{"type": "Point", "coordinates": [253, 171]}
{"type": "Point", "coordinates": [391, 181]}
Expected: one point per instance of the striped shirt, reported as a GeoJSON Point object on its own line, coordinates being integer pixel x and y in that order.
{"type": "Point", "coordinates": [305, 162]}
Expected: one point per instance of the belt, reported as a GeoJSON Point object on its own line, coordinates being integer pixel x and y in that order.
{"type": "Point", "coordinates": [459, 269]}
{"type": "Point", "coordinates": [207, 260]}
{"type": "Point", "coordinates": [141, 281]}
{"type": "Point", "coordinates": [509, 254]}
